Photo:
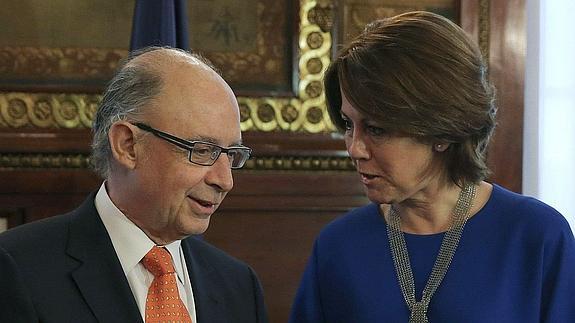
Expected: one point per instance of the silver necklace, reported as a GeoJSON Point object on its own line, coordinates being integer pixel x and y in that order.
{"type": "Point", "coordinates": [448, 247]}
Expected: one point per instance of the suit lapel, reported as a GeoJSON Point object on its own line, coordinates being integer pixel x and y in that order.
{"type": "Point", "coordinates": [204, 278]}
{"type": "Point", "coordinates": [99, 277]}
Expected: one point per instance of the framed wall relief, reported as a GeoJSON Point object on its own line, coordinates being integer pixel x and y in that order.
{"type": "Point", "coordinates": [62, 45]}
{"type": "Point", "coordinates": [71, 46]}
{"type": "Point", "coordinates": [54, 65]}
{"type": "Point", "coordinates": [252, 42]}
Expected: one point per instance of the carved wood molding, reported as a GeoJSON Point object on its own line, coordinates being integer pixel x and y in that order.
{"type": "Point", "coordinates": [484, 28]}
{"type": "Point", "coordinates": [82, 161]}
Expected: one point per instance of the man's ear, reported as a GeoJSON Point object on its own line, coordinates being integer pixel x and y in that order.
{"type": "Point", "coordinates": [122, 141]}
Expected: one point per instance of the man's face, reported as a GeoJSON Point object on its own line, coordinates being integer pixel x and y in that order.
{"type": "Point", "coordinates": [176, 198]}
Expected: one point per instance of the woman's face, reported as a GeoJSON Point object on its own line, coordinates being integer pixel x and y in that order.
{"type": "Point", "coordinates": [393, 168]}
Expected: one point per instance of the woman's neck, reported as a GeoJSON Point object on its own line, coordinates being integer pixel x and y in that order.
{"type": "Point", "coordinates": [430, 211]}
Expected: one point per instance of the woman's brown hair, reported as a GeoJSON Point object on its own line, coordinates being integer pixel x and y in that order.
{"type": "Point", "coordinates": [418, 74]}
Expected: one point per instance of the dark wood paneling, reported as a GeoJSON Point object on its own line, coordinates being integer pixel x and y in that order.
{"type": "Point", "coordinates": [12, 217]}
{"type": "Point", "coordinates": [45, 141]}
{"type": "Point", "coordinates": [506, 54]}
{"type": "Point", "coordinates": [469, 18]}
{"type": "Point", "coordinates": [277, 245]}
{"type": "Point", "coordinates": [507, 40]}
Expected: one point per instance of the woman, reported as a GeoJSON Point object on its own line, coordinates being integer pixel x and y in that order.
{"type": "Point", "coordinates": [437, 243]}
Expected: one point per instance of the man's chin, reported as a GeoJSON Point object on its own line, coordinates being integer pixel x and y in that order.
{"type": "Point", "coordinates": [196, 226]}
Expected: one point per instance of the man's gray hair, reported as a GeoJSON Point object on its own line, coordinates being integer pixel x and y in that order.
{"type": "Point", "coordinates": [131, 89]}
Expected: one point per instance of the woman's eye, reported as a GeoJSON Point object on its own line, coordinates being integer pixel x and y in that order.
{"type": "Point", "coordinates": [347, 125]}
{"type": "Point", "coordinates": [375, 131]}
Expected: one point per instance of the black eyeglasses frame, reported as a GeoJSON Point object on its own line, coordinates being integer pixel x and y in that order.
{"type": "Point", "coordinates": [244, 151]}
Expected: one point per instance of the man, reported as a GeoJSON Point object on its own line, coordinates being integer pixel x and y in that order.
{"type": "Point", "coordinates": [103, 262]}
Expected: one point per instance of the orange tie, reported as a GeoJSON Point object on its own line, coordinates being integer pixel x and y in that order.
{"type": "Point", "coordinates": [163, 303]}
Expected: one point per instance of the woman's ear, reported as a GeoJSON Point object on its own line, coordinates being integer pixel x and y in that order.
{"type": "Point", "coordinates": [441, 147]}
{"type": "Point", "coordinates": [122, 141]}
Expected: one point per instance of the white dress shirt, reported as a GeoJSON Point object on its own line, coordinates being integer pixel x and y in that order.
{"type": "Point", "coordinates": [131, 245]}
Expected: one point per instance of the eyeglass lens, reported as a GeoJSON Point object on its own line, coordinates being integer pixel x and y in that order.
{"type": "Point", "coordinates": [207, 154]}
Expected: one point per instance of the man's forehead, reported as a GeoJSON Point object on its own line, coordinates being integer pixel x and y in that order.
{"type": "Point", "coordinates": [166, 58]}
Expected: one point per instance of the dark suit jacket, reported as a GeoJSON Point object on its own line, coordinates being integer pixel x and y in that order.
{"type": "Point", "coordinates": [65, 269]}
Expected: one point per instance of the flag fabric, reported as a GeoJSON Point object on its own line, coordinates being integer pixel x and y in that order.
{"type": "Point", "coordinates": [160, 23]}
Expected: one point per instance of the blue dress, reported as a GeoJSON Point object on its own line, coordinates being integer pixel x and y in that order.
{"type": "Point", "coordinates": [515, 263]}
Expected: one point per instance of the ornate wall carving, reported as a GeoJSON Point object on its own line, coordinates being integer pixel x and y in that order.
{"type": "Point", "coordinates": [305, 112]}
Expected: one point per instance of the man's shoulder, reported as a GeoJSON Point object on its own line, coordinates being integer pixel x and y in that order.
{"type": "Point", "coordinates": [35, 233]}
{"type": "Point", "coordinates": [44, 234]}
{"type": "Point", "coordinates": [40, 244]}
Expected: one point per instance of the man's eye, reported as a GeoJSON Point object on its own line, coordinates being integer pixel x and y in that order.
{"type": "Point", "coordinates": [202, 151]}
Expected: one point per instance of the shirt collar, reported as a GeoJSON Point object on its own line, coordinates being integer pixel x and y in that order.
{"type": "Point", "coordinates": [176, 253]}
{"type": "Point", "coordinates": [129, 241]}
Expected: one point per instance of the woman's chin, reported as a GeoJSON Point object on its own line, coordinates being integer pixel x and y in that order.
{"type": "Point", "coordinates": [378, 197]}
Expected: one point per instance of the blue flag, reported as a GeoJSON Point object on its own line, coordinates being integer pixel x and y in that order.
{"type": "Point", "coordinates": [160, 23]}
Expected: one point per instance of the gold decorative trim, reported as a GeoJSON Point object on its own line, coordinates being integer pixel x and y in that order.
{"type": "Point", "coordinates": [300, 163]}
{"type": "Point", "coordinates": [306, 112]}
{"type": "Point", "coordinates": [484, 29]}
{"type": "Point", "coordinates": [82, 161]}
{"type": "Point", "coordinates": [47, 110]}
{"type": "Point", "coordinates": [44, 161]}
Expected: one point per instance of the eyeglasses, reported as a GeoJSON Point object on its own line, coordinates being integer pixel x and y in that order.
{"type": "Point", "coordinates": [201, 152]}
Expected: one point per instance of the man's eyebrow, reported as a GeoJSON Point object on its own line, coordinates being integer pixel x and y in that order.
{"type": "Point", "coordinates": [213, 140]}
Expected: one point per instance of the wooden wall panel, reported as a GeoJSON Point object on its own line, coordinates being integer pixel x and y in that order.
{"type": "Point", "coordinates": [276, 244]}
{"type": "Point", "coordinates": [499, 27]}
{"type": "Point", "coordinates": [507, 43]}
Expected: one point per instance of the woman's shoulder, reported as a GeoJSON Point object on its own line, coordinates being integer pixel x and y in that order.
{"type": "Point", "coordinates": [355, 222]}
{"type": "Point", "coordinates": [525, 211]}
{"type": "Point", "coordinates": [362, 227]}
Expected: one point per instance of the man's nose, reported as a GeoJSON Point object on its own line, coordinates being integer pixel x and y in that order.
{"type": "Point", "coordinates": [220, 174]}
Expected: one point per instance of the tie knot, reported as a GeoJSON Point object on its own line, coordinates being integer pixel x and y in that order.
{"type": "Point", "coordinates": [158, 261]}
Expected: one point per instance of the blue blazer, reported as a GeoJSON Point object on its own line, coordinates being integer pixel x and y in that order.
{"type": "Point", "coordinates": [65, 269]}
